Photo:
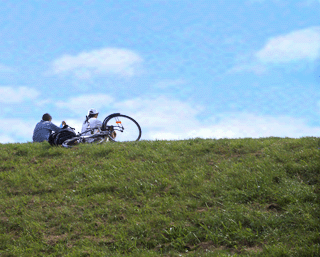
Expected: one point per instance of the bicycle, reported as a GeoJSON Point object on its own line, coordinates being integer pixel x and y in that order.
{"type": "Point", "coordinates": [116, 128]}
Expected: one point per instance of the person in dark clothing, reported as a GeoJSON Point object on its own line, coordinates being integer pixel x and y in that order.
{"type": "Point", "coordinates": [44, 128]}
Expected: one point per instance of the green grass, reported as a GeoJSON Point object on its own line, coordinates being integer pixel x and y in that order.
{"type": "Point", "coordinates": [227, 197]}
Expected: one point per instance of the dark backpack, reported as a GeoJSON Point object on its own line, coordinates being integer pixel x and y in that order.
{"type": "Point", "coordinates": [58, 138]}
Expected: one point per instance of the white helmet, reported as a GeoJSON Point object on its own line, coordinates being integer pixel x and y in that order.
{"type": "Point", "coordinates": [92, 111]}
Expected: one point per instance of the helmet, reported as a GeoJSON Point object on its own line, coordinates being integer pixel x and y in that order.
{"type": "Point", "coordinates": [92, 111]}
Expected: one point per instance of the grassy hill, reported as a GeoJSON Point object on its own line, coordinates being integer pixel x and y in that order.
{"type": "Point", "coordinates": [227, 197]}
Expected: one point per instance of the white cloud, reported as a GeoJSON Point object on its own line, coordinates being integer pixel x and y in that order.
{"type": "Point", "coordinates": [81, 104]}
{"type": "Point", "coordinates": [161, 112]}
{"type": "Point", "coordinates": [169, 83]}
{"type": "Point", "coordinates": [170, 119]}
{"type": "Point", "coordinates": [256, 1]}
{"type": "Point", "coordinates": [254, 67]}
{"type": "Point", "coordinates": [118, 61]}
{"type": "Point", "coordinates": [291, 48]}
{"type": "Point", "coordinates": [5, 68]}
{"type": "Point", "coordinates": [251, 125]}
{"type": "Point", "coordinates": [13, 130]}
{"type": "Point", "coordinates": [295, 46]}
{"type": "Point", "coordinates": [153, 113]}
{"type": "Point", "coordinates": [245, 125]}
{"type": "Point", "coordinates": [309, 2]}
{"type": "Point", "coordinates": [166, 118]}
{"type": "Point", "coordinates": [75, 123]}
{"type": "Point", "coordinates": [4, 139]}
{"type": "Point", "coordinates": [43, 102]}
{"type": "Point", "coordinates": [17, 95]}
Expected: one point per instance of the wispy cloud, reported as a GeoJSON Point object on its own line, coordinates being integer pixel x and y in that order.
{"type": "Point", "coordinates": [4, 139]}
{"type": "Point", "coordinates": [5, 68]}
{"type": "Point", "coordinates": [169, 83]}
{"type": "Point", "coordinates": [43, 102]}
{"type": "Point", "coordinates": [154, 114]}
{"type": "Point", "coordinates": [117, 61]}
{"type": "Point", "coordinates": [309, 2]}
{"type": "Point", "coordinates": [289, 49]}
{"type": "Point", "coordinates": [81, 104]}
{"type": "Point", "coordinates": [10, 94]}
{"type": "Point", "coordinates": [295, 46]}
{"type": "Point", "coordinates": [256, 1]}
{"type": "Point", "coordinates": [242, 125]}
{"type": "Point", "coordinates": [239, 125]}
{"type": "Point", "coordinates": [16, 130]}
{"type": "Point", "coordinates": [279, 1]}
{"type": "Point", "coordinates": [252, 125]}
{"type": "Point", "coordinates": [167, 118]}
{"type": "Point", "coordinates": [254, 67]}
{"type": "Point", "coordinates": [161, 112]}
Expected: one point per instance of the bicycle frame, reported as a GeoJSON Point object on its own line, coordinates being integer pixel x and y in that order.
{"type": "Point", "coordinates": [98, 134]}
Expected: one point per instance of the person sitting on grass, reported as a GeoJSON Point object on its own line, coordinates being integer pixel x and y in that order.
{"type": "Point", "coordinates": [44, 128]}
{"type": "Point", "coordinates": [92, 122]}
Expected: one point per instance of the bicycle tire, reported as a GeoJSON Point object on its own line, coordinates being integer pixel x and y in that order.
{"type": "Point", "coordinates": [71, 142]}
{"type": "Point", "coordinates": [126, 128]}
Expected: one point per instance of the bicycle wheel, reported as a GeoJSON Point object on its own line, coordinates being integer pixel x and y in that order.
{"type": "Point", "coordinates": [123, 128]}
{"type": "Point", "coordinates": [71, 142]}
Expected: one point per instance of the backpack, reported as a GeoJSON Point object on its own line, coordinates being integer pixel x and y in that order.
{"type": "Point", "coordinates": [58, 138]}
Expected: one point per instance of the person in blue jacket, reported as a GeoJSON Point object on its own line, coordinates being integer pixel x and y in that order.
{"type": "Point", "coordinates": [44, 128]}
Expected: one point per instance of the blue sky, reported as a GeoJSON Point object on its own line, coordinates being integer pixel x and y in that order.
{"type": "Point", "coordinates": [181, 68]}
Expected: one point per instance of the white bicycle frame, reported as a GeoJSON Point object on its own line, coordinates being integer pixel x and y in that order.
{"type": "Point", "coordinates": [104, 135]}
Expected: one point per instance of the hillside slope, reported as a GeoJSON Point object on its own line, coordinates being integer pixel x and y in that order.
{"type": "Point", "coordinates": [198, 197]}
